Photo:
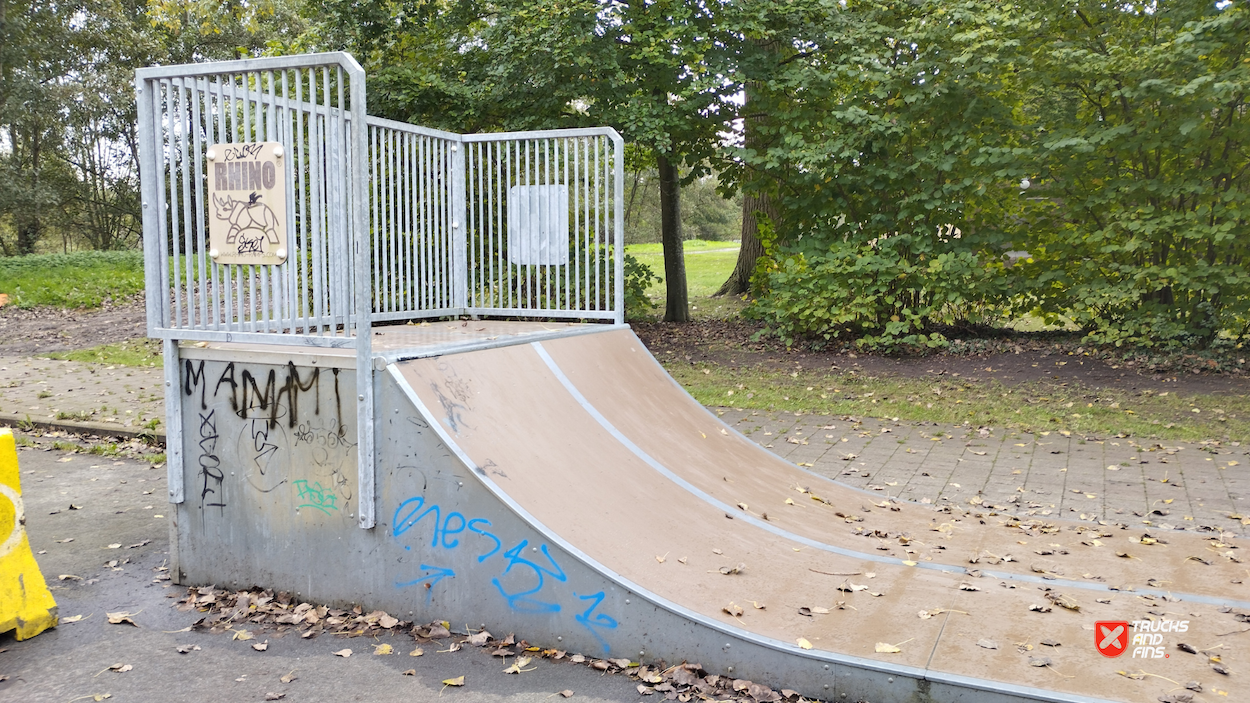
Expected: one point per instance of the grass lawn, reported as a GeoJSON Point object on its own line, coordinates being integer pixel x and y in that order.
{"type": "Point", "coordinates": [708, 264]}
{"type": "Point", "coordinates": [82, 279]}
{"type": "Point", "coordinates": [1035, 407]}
{"type": "Point", "coordinates": [134, 352]}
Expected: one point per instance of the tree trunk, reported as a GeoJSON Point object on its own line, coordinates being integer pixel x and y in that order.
{"type": "Point", "coordinates": [739, 281]}
{"type": "Point", "coordinates": [677, 308]}
{"type": "Point", "coordinates": [753, 204]}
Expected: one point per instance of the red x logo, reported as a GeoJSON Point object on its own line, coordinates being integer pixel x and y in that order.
{"type": "Point", "coordinates": [1111, 638]}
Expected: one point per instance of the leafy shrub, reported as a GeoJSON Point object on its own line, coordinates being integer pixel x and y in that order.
{"type": "Point", "coordinates": [638, 277]}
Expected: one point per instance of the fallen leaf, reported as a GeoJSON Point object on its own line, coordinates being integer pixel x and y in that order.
{"type": "Point", "coordinates": [261, 646]}
{"type": "Point", "coordinates": [987, 644]}
{"type": "Point", "coordinates": [567, 693]}
{"type": "Point", "coordinates": [519, 665]}
{"type": "Point", "coordinates": [242, 635]}
{"type": "Point", "coordinates": [1039, 661]}
{"type": "Point", "coordinates": [733, 609]}
{"type": "Point", "coordinates": [803, 643]}
{"type": "Point", "coordinates": [289, 677]}
{"type": "Point", "coordinates": [458, 681]}
{"type": "Point", "coordinates": [416, 652]}
{"type": "Point", "coordinates": [758, 606]}
{"type": "Point", "coordinates": [121, 618]}
{"type": "Point", "coordinates": [729, 570]}
{"type": "Point", "coordinates": [387, 621]}
{"type": "Point", "coordinates": [274, 696]}
{"type": "Point", "coordinates": [1136, 675]}
{"type": "Point", "coordinates": [72, 618]}
{"type": "Point", "coordinates": [479, 639]}
{"type": "Point", "coordinates": [184, 648]}
{"type": "Point", "coordinates": [382, 649]}
{"type": "Point", "coordinates": [115, 545]}
{"type": "Point", "coordinates": [884, 648]}
{"type": "Point", "coordinates": [69, 577]}
{"type": "Point", "coordinates": [343, 653]}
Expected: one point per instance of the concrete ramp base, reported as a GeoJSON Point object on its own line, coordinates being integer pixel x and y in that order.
{"type": "Point", "coordinates": [568, 490]}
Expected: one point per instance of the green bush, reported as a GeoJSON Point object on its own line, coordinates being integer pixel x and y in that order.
{"type": "Point", "coordinates": [638, 277]}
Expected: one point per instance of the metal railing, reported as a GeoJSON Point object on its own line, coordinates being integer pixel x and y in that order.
{"type": "Point", "coordinates": [522, 224]}
{"type": "Point", "coordinates": [385, 221]}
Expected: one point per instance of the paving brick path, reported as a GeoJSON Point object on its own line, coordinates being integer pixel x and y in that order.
{"type": "Point", "coordinates": [1170, 485]}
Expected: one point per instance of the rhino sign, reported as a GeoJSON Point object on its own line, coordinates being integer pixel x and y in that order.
{"type": "Point", "coordinates": [250, 219]}
{"type": "Point", "coordinates": [247, 199]}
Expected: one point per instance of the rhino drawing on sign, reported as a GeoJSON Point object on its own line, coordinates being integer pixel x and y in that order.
{"type": "Point", "coordinates": [245, 215]}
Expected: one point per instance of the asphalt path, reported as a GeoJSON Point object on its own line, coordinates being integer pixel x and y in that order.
{"type": "Point", "coordinates": [121, 502]}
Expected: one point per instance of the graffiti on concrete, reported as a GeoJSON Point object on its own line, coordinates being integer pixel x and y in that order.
{"type": "Point", "coordinates": [526, 578]}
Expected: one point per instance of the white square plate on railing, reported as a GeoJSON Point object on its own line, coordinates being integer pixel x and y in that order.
{"type": "Point", "coordinates": [538, 225]}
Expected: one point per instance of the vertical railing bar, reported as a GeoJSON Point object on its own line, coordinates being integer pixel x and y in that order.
{"type": "Point", "coordinates": [493, 228]}
{"type": "Point", "coordinates": [173, 95]}
{"type": "Point", "coordinates": [406, 235]}
{"type": "Point", "coordinates": [264, 119]}
{"type": "Point", "coordinates": [440, 224]}
{"type": "Point", "coordinates": [317, 221]}
{"type": "Point", "coordinates": [598, 222]}
{"type": "Point", "coordinates": [221, 276]}
{"type": "Point", "coordinates": [299, 144]}
{"type": "Point", "coordinates": [563, 145]}
{"type": "Point", "coordinates": [382, 205]}
{"type": "Point", "coordinates": [507, 278]}
{"type": "Point", "coordinates": [184, 177]}
{"type": "Point", "coordinates": [342, 193]}
{"type": "Point", "coordinates": [530, 283]}
{"type": "Point", "coordinates": [421, 234]}
{"type": "Point", "coordinates": [574, 193]}
{"type": "Point", "coordinates": [473, 237]}
{"type": "Point", "coordinates": [240, 319]}
{"type": "Point", "coordinates": [160, 98]}
{"type": "Point", "coordinates": [393, 205]}
{"type": "Point", "coordinates": [618, 222]}
{"type": "Point", "coordinates": [544, 220]}
{"type": "Point", "coordinates": [201, 251]}
{"type": "Point", "coordinates": [512, 153]}
{"type": "Point", "coordinates": [283, 126]}
{"type": "Point", "coordinates": [247, 136]}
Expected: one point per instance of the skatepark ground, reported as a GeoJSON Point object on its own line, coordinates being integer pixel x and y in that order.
{"type": "Point", "coordinates": [1154, 485]}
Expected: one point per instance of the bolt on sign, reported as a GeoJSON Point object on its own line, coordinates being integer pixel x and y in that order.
{"type": "Point", "coordinates": [247, 203]}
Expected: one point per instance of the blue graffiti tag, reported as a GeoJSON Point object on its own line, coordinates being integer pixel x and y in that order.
{"type": "Point", "coordinates": [533, 573]}
{"type": "Point", "coordinates": [599, 620]}
{"type": "Point", "coordinates": [521, 600]}
{"type": "Point", "coordinates": [439, 574]}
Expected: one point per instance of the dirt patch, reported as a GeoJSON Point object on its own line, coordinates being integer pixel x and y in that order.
{"type": "Point", "coordinates": [42, 330]}
{"type": "Point", "coordinates": [1012, 360]}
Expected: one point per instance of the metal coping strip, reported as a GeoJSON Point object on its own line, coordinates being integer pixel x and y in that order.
{"type": "Point", "coordinates": [948, 568]}
{"type": "Point", "coordinates": [398, 355]}
{"type": "Point", "coordinates": [847, 660]}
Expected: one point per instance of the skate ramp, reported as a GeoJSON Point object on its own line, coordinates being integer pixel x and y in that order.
{"type": "Point", "coordinates": [587, 439]}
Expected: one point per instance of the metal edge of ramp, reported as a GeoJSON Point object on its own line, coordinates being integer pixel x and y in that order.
{"type": "Point", "coordinates": [688, 635]}
{"type": "Point", "coordinates": [687, 485]}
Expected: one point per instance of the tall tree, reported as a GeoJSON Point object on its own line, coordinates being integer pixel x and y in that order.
{"type": "Point", "coordinates": [523, 64]}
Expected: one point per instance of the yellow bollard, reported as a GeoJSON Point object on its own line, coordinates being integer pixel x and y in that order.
{"type": "Point", "coordinates": [25, 602]}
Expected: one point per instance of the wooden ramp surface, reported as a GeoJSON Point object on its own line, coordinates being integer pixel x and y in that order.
{"type": "Point", "coordinates": [594, 441]}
